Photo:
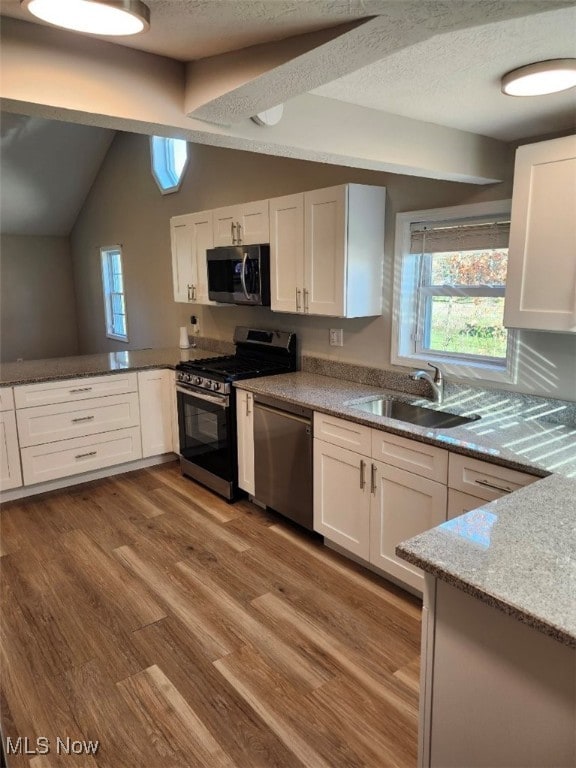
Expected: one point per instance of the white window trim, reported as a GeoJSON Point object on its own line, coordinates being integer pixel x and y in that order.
{"type": "Point", "coordinates": [175, 187]}
{"type": "Point", "coordinates": [402, 318]}
{"type": "Point", "coordinates": [107, 306]}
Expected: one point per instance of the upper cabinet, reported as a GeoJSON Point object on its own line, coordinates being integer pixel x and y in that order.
{"type": "Point", "coordinates": [541, 283]}
{"type": "Point", "coordinates": [191, 235]}
{"type": "Point", "coordinates": [244, 224]}
{"type": "Point", "coordinates": [327, 251]}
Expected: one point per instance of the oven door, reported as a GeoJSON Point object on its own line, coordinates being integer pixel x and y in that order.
{"type": "Point", "coordinates": [207, 429]}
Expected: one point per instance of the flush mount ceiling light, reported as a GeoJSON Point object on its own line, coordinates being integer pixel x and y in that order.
{"type": "Point", "coordinates": [540, 78]}
{"type": "Point", "coordinates": [96, 17]}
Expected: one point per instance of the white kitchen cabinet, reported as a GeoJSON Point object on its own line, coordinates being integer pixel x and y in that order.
{"type": "Point", "coordinates": [483, 480]}
{"type": "Point", "coordinates": [403, 505]}
{"type": "Point", "coordinates": [245, 430]}
{"type": "Point", "coordinates": [74, 390]}
{"type": "Point", "coordinates": [327, 251]}
{"type": "Point", "coordinates": [191, 235]}
{"type": "Point", "coordinates": [373, 490]}
{"type": "Point", "coordinates": [342, 497]}
{"type": "Point", "coordinates": [243, 224]}
{"type": "Point", "coordinates": [157, 404]}
{"type": "Point", "coordinates": [10, 473]}
{"type": "Point", "coordinates": [6, 399]}
{"type": "Point", "coordinates": [541, 281]}
{"type": "Point", "coordinates": [459, 503]}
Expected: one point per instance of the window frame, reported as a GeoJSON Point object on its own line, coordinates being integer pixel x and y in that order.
{"type": "Point", "coordinates": [168, 162]}
{"type": "Point", "coordinates": [407, 348]}
{"type": "Point", "coordinates": [107, 293]}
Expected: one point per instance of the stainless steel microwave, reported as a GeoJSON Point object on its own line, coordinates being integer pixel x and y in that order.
{"type": "Point", "coordinates": [239, 274]}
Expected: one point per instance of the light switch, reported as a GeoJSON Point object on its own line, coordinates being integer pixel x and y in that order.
{"type": "Point", "coordinates": [336, 337]}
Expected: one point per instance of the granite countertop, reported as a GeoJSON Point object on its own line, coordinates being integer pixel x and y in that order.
{"type": "Point", "coordinates": [517, 553]}
{"type": "Point", "coordinates": [34, 371]}
{"type": "Point", "coordinates": [506, 434]}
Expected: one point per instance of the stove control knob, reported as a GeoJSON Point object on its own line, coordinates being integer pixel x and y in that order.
{"type": "Point", "coordinates": [207, 383]}
{"type": "Point", "coordinates": [198, 380]}
{"type": "Point", "coordinates": [216, 386]}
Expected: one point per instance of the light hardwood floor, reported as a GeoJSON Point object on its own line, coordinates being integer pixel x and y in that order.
{"type": "Point", "coordinates": [178, 631]}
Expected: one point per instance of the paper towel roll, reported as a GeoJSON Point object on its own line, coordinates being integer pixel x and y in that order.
{"type": "Point", "coordinates": [184, 340]}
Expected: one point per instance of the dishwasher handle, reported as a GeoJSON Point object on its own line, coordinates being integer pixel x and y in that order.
{"type": "Point", "coordinates": [286, 415]}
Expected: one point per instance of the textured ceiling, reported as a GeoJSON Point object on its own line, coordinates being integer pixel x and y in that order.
{"type": "Point", "coordinates": [450, 78]}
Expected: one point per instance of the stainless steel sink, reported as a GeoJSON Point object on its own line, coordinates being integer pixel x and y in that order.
{"type": "Point", "coordinates": [413, 414]}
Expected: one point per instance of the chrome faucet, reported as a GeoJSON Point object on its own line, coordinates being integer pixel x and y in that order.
{"type": "Point", "coordinates": [436, 381]}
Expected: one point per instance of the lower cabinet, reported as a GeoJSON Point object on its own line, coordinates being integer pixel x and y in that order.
{"type": "Point", "coordinates": [10, 474]}
{"type": "Point", "coordinates": [51, 461]}
{"type": "Point", "coordinates": [157, 407]}
{"type": "Point", "coordinates": [245, 429]}
{"type": "Point", "coordinates": [368, 507]}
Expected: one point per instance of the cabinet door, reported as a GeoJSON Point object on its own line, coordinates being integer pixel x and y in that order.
{"type": "Point", "coordinates": [325, 213]}
{"type": "Point", "coordinates": [10, 473]}
{"type": "Point", "coordinates": [202, 237]}
{"type": "Point", "coordinates": [254, 223]}
{"type": "Point", "coordinates": [245, 428]}
{"type": "Point", "coordinates": [541, 282]}
{"type": "Point", "coordinates": [287, 253]}
{"type": "Point", "coordinates": [403, 505]}
{"type": "Point", "coordinates": [224, 222]}
{"type": "Point", "coordinates": [157, 393]}
{"type": "Point", "coordinates": [342, 498]}
{"type": "Point", "coordinates": [184, 274]}
{"type": "Point", "coordinates": [459, 503]}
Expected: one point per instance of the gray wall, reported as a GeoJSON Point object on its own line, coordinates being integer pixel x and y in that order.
{"type": "Point", "coordinates": [125, 207]}
{"type": "Point", "coordinates": [37, 302]}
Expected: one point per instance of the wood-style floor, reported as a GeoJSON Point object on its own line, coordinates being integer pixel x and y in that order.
{"type": "Point", "coordinates": [178, 631]}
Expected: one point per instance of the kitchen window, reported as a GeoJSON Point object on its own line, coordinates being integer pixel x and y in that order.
{"type": "Point", "coordinates": [449, 290]}
{"type": "Point", "coordinates": [113, 289]}
{"type": "Point", "coordinates": [169, 161]}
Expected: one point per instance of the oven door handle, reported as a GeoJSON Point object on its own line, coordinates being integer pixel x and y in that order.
{"type": "Point", "coordinates": [221, 400]}
{"type": "Point", "coordinates": [243, 275]}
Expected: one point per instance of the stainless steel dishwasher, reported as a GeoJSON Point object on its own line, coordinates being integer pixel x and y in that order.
{"type": "Point", "coordinates": [283, 458]}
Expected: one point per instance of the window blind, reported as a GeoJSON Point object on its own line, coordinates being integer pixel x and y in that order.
{"type": "Point", "coordinates": [441, 237]}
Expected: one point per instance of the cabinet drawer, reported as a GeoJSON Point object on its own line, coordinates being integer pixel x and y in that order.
{"type": "Point", "coordinates": [71, 390]}
{"type": "Point", "coordinates": [487, 481]}
{"type": "Point", "coordinates": [6, 399]}
{"type": "Point", "coordinates": [420, 458]}
{"type": "Point", "coordinates": [49, 423]}
{"type": "Point", "coordinates": [346, 434]}
{"type": "Point", "coordinates": [83, 454]}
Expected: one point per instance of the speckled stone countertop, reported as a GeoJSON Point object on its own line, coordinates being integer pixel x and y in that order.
{"type": "Point", "coordinates": [503, 435]}
{"type": "Point", "coordinates": [517, 553]}
{"type": "Point", "coordinates": [33, 371]}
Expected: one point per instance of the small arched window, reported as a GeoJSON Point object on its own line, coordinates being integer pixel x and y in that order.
{"type": "Point", "coordinates": [169, 161]}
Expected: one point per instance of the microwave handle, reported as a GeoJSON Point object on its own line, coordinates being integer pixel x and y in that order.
{"type": "Point", "coordinates": [243, 275]}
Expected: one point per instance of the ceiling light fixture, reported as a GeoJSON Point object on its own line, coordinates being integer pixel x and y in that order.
{"type": "Point", "coordinates": [540, 78]}
{"type": "Point", "coordinates": [96, 17]}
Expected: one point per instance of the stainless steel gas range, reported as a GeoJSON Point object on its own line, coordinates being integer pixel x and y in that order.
{"type": "Point", "coordinates": [207, 403]}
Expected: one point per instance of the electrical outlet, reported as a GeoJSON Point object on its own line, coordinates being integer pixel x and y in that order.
{"type": "Point", "coordinates": [336, 337]}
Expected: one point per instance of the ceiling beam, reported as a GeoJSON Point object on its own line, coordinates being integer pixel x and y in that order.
{"type": "Point", "coordinates": [58, 75]}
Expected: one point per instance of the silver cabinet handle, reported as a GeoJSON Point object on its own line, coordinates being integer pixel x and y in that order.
{"type": "Point", "coordinates": [85, 455]}
{"type": "Point", "coordinates": [193, 293]}
{"type": "Point", "coordinates": [82, 418]}
{"type": "Point", "coordinates": [306, 308]}
{"type": "Point", "coordinates": [80, 389]}
{"type": "Point", "coordinates": [362, 474]}
{"type": "Point", "coordinates": [233, 227]}
{"type": "Point", "coordinates": [247, 404]}
{"type": "Point", "coordinates": [239, 232]}
{"type": "Point", "coordinates": [493, 486]}
{"type": "Point", "coordinates": [243, 275]}
{"type": "Point", "coordinates": [373, 479]}
{"type": "Point", "coordinates": [298, 294]}
{"type": "Point", "coordinates": [189, 292]}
